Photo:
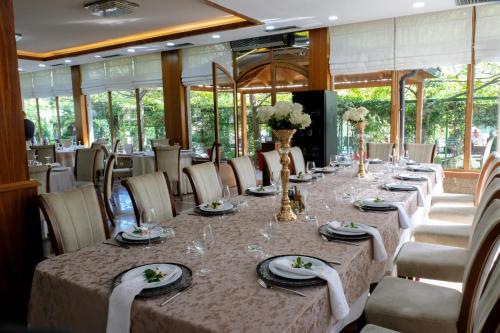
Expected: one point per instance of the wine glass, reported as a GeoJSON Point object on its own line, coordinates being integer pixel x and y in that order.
{"type": "Point", "coordinates": [333, 160]}
{"type": "Point", "coordinates": [310, 166]}
{"type": "Point", "coordinates": [226, 194]}
{"type": "Point", "coordinates": [148, 221]}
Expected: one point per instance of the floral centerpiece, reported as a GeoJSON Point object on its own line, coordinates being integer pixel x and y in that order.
{"type": "Point", "coordinates": [357, 117]}
{"type": "Point", "coordinates": [285, 119]}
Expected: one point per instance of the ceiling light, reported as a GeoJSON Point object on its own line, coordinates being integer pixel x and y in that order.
{"type": "Point", "coordinates": [216, 36]}
{"type": "Point", "coordinates": [67, 61]}
{"type": "Point", "coordinates": [170, 44]}
{"type": "Point", "coordinates": [333, 18]}
{"type": "Point", "coordinates": [20, 69]}
{"type": "Point", "coordinates": [97, 56]}
{"type": "Point", "coordinates": [418, 4]}
{"type": "Point", "coordinates": [41, 65]}
{"type": "Point", "coordinates": [111, 8]}
{"type": "Point", "coordinates": [270, 27]}
{"type": "Point", "coordinates": [131, 50]}
{"type": "Point", "coordinates": [18, 37]}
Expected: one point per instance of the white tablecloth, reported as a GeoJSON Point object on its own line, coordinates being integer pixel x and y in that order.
{"type": "Point", "coordinates": [144, 163]}
{"type": "Point", "coordinates": [66, 156]}
{"type": "Point", "coordinates": [61, 181]}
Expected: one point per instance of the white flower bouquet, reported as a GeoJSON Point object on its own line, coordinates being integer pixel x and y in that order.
{"type": "Point", "coordinates": [356, 115]}
{"type": "Point", "coordinates": [284, 115]}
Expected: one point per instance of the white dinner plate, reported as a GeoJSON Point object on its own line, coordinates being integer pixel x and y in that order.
{"type": "Point", "coordinates": [304, 178]}
{"type": "Point", "coordinates": [407, 176]}
{"type": "Point", "coordinates": [325, 169]}
{"type": "Point", "coordinates": [289, 275]}
{"type": "Point", "coordinates": [265, 189]}
{"type": "Point", "coordinates": [225, 206]}
{"type": "Point", "coordinates": [173, 273]}
{"type": "Point", "coordinates": [397, 186]}
{"type": "Point", "coordinates": [375, 161]}
{"type": "Point", "coordinates": [59, 169]}
{"type": "Point", "coordinates": [129, 235]}
{"type": "Point", "coordinates": [370, 202]}
{"type": "Point", "coordinates": [337, 228]}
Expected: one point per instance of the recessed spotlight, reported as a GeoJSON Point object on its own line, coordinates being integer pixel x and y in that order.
{"type": "Point", "coordinates": [20, 69]}
{"type": "Point", "coordinates": [131, 50]}
{"type": "Point", "coordinates": [41, 65]}
{"type": "Point", "coordinates": [97, 56]}
{"type": "Point", "coordinates": [170, 44]}
{"type": "Point", "coordinates": [418, 4]}
{"type": "Point", "coordinates": [67, 61]}
{"type": "Point", "coordinates": [270, 27]}
{"type": "Point", "coordinates": [333, 18]}
{"type": "Point", "coordinates": [216, 36]}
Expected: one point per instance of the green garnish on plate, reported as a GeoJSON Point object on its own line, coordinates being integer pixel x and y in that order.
{"type": "Point", "coordinates": [300, 175]}
{"type": "Point", "coordinates": [377, 199]}
{"type": "Point", "coordinates": [351, 225]}
{"type": "Point", "coordinates": [153, 275]}
{"type": "Point", "coordinates": [299, 263]}
{"type": "Point", "coordinates": [213, 205]}
{"type": "Point", "coordinates": [260, 188]}
{"type": "Point", "coordinates": [138, 231]}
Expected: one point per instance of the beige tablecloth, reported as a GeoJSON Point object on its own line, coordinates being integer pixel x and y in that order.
{"type": "Point", "coordinates": [72, 290]}
{"type": "Point", "coordinates": [144, 163]}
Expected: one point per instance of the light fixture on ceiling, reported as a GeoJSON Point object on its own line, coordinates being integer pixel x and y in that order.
{"type": "Point", "coordinates": [215, 36]}
{"type": "Point", "coordinates": [41, 65]}
{"type": "Point", "coordinates": [67, 61]}
{"type": "Point", "coordinates": [270, 27]}
{"type": "Point", "coordinates": [111, 8]}
{"type": "Point", "coordinates": [333, 18]}
{"type": "Point", "coordinates": [20, 69]}
{"type": "Point", "coordinates": [170, 44]}
{"type": "Point", "coordinates": [418, 4]}
{"type": "Point", "coordinates": [18, 37]}
{"type": "Point", "coordinates": [131, 50]}
{"type": "Point", "coordinates": [97, 56]}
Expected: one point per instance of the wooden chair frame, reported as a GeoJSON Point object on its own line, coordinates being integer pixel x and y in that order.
{"type": "Point", "coordinates": [137, 212]}
{"type": "Point", "coordinates": [179, 190]}
{"type": "Point", "coordinates": [94, 171]}
{"type": "Point", "coordinates": [107, 196]}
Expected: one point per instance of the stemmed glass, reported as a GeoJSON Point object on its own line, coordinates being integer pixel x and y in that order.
{"type": "Point", "coordinates": [226, 194]}
{"type": "Point", "coordinates": [148, 221]}
{"type": "Point", "coordinates": [202, 247]}
{"type": "Point", "coordinates": [267, 231]}
{"type": "Point", "coordinates": [310, 166]}
{"type": "Point", "coordinates": [333, 160]}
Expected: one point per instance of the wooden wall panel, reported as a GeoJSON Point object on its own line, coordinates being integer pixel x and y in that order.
{"type": "Point", "coordinates": [80, 105]}
{"type": "Point", "coordinates": [319, 55]}
{"type": "Point", "coordinates": [174, 98]}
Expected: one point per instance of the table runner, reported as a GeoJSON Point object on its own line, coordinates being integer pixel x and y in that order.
{"type": "Point", "coordinates": [72, 291]}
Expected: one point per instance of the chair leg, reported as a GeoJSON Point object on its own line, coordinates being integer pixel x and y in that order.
{"type": "Point", "coordinates": [179, 190]}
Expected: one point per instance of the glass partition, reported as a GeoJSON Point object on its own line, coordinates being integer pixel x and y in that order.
{"type": "Point", "coordinates": [202, 121]}
{"type": "Point", "coordinates": [151, 101]}
{"type": "Point", "coordinates": [67, 116]}
{"type": "Point", "coordinates": [99, 110]}
{"type": "Point", "coordinates": [48, 119]}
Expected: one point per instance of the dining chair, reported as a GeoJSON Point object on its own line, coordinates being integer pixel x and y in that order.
{"type": "Point", "coordinates": [116, 144]}
{"type": "Point", "coordinates": [75, 218]}
{"type": "Point", "coordinates": [85, 166]}
{"type": "Point", "coordinates": [45, 151]}
{"type": "Point", "coordinates": [128, 148]}
{"type": "Point", "coordinates": [165, 142]}
{"type": "Point", "coordinates": [102, 155]}
{"type": "Point", "coordinates": [41, 173]}
{"type": "Point", "coordinates": [108, 187]}
{"type": "Point", "coordinates": [245, 173]}
{"type": "Point", "coordinates": [414, 307]}
{"type": "Point", "coordinates": [271, 166]}
{"type": "Point", "coordinates": [421, 152]}
{"type": "Point", "coordinates": [297, 161]}
{"type": "Point", "coordinates": [66, 143]}
{"type": "Point", "coordinates": [380, 151]}
{"type": "Point", "coordinates": [204, 181]}
{"type": "Point", "coordinates": [167, 159]}
{"type": "Point", "coordinates": [151, 191]}
{"type": "Point", "coordinates": [443, 262]}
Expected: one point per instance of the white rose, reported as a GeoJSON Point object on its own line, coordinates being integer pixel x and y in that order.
{"type": "Point", "coordinates": [296, 117]}
{"type": "Point", "coordinates": [306, 120]}
{"type": "Point", "coordinates": [264, 113]}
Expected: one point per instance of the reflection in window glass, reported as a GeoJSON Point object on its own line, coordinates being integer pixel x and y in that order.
{"type": "Point", "coordinates": [153, 115]}
{"type": "Point", "coordinates": [125, 117]}
{"type": "Point", "coordinates": [31, 114]}
{"type": "Point", "coordinates": [202, 121]}
{"type": "Point", "coordinates": [48, 118]}
{"type": "Point", "coordinates": [444, 114]}
{"type": "Point", "coordinates": [484, 119]}
{"type": "Point", "coordinates": [67, 116]}
{"type": "Point", "coordinates": [98, 107]}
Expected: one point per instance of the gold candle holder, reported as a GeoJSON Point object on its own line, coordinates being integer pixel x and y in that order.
{"type": "Point", "coordinates": [285, 213]}
{"type": "Point", "coordinates": [360, 127]}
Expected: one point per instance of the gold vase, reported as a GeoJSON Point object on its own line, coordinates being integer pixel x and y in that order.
{"type": "Point", "coordinates": [284, 136]}
{"type": "Point", "coordinates": [360, 127]}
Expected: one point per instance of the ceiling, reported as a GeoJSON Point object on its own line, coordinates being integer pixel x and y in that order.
{"type": "Point", "coordinates": [45, 30]}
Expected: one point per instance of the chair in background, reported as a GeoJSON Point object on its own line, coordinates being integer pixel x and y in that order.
{"type": "Point", "coordinates": [205, 182]}
{"type": "Point", "coordinates": [151, 191]}
{"type": "Point", "coordinates": [379, 151]}
{"type": "Point", "coordinates": [75, 219]}
{"type": "Point", "coordinates": [421, 152]}
{"type": "Point", "coordinates": [103, 141]}
{"type": "Point", "coordinates": [167, 159]}
{"type": "Point", "coordinates": [116, 144]}
{"type": "Point", "coordinates": [297, 158]}
{"type": "Point", "coordinates": [43, 152]}
{"type": "Point", "coordinates": [108, 187]}
{"type": "Point", "coordinates": [66, 143]}
{"type": "Point", "coordinates": [245, 173]}
{"type": "Point", "coordinates": [102, 155]}
{"type": "Point", "coordinates": [160, 142]}
{"type": "Point", "coordinates": [213, 152]}
{"type": "Point", "coordinates": [41, 173]}
{"type": "Point", "coordinates": [128, 148]}
{"type": "Point", "coordinates": [86, 166]}
{"type": "Point", "coordinates": [271, 166]}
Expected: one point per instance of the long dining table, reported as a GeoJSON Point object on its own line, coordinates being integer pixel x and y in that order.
{"type": "Point", "coordinates": [72, 291]}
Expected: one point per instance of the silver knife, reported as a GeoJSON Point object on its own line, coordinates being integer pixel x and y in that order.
{"type": "Point", "coordinates": [183, 290]}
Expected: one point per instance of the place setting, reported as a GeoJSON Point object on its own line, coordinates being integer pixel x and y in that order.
{"type": "Point", "coordinates": [401, 187]}
{"type": "Point", "coordinates": [382, 206]}
{"type": "Point", "coordinates": [262, 191]}
{"type": "Point", "coordinates": [219, 207]}
{"type": "Point", "coordinates": [301, 177]}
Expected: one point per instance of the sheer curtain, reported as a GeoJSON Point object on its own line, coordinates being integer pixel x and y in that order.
{"type": "Point", "coordinates": [26, 80]}
{"type": "Point", "coordinates": [93, 78]}
{"type": "Point", "coordinates": [42, 84]}
{"type": "Point", "coordinates": [119, 74]}
{"type": "Point", "coordinates": [197, 63]}
{"type": "Point", "coordinates": [61, 82]}
{"type": "Point", "coordinates": [487, 46]}
{"type": "Point", "coordinates": [147, 71]}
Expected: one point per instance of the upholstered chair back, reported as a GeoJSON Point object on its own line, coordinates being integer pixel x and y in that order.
{"type": "Point", "coordinates": [75, 219]}
{"type": "Point", "coordinates": [102, 154]}
{"type": "Point", "coordinates": [245, 173]}
{"type": "Point", "coordinates": [379, 151]}
{"type": "Point", "coordinates": [41, 173]}
{"type": "Point", "coordinates": [204, 181]}
{"type": "Point", "coordinates": [167, 160]}
{"type": "Point", "coordinates": [298, 162]}
{"type": "Point", "coordinates": [421, 152]}
{"type": "Point", "coordinates": [491, 171]}
{"type": "Point", "coordinates": [151, 191]}
{"type": "Point", "coordinates": [86, 165]}
{"type": "Point", "coordinates": [165, 142]}
{"type": "Point", "coordinates": [108, 186]}
{"type": "Point", "coordinates": [272, 165]}
{"type": "Point", "coordinates": [66, 143]}
{"type": "Point", "coordinates": [45, 151]}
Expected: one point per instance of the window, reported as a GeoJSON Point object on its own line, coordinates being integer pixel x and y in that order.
{"type": "Point", "coordinates": [99, 111]}
{"type": "Point", "coordinates": [153, 115]}
{"type": "Point", "coordinates": [31, 114]}
{"type": "Point", "coordinates": [202, 121]}
{"type": "Point", "coordinates": [125, 125]}
{"type": "Point", "coordinates": [48, 119]}
{"type": "Point", "coordinates": [67, 116]}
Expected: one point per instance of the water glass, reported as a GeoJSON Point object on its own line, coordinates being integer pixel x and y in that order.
{"type": "Point", "coordinates": [310, 166]}
{"type": "Point", "coordinates": [148, 221]}
{"type": "Point", "coordinates": [333, 160]}
{"type": "Point", "coordinates": [226, 194]}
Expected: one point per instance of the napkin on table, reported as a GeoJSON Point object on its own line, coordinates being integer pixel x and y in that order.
{"type": "Point", "coordinates": [338, 301]}
{"type": "Point", "coordinates": [404, 219]}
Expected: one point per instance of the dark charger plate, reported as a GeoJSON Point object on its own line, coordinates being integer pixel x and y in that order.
{"type": "Point", "coordinates": [261, 194]}
{"type": "Point", "coordinates": [399, 189]}
{"type": "Point", "coordinates": [184, 281]}
{"type": "Point", "coordinates": [375, 209]}
{"type": "Point", "coordinates": [323, 230]}
{"type": "Point", "coordinates": [265, 274]}
{"type": "Point", "coordinates": [233, 210]}
{"type": "Point", "coordinates": [119, 238]}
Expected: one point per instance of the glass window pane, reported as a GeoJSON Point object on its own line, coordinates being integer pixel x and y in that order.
{"type": "Point", "coordinates": [484, 119]}
{"type": "Point", "coordinates": [202, 121]}
{"type": "Point", "coordinates": [31, 114]}
{"type": "Point", "coordinates": [48, 118]}
{"type": "Point", "coordinates": [257, 132]}
{"type": "Point", "coordinates": [125, 117]}
{"type": "Point", "coordinates": [67, 115]}
{"type": "Point", "coordinates": [153, 115]}
{"type": "Point", "coordinates": [98, 107]}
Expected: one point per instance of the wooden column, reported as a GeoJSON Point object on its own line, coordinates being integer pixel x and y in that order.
{"type": "Point", "coordinates": [244, 136]}
{"type": "Point", "coordinates": [174, 98]}
{"type": "Point", "coordinates": [395, 106]}
{"type": "Point", "coordinates": [469, 107]}
{"type": "Point", "coordinates": [20, 236]}
{"type": "Point", "coordinates": [420, 112]}
{"type": "Point", "coordinates": [80, 106]}
{"type": "Point", "coordinates": [319, 54]}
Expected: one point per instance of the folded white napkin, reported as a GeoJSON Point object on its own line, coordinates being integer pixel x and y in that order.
{"type": "Point", "coordinates": [120, 304]}
{"type": "Point", "coordinates": [404, 219]}
{"type": "Point", "coordinates": [420, 197]}
{"type": "Point", "coordinates": [338, 301]}
{"type": "Point", "coordinates": [379, 252]}
{"type": "Point", "coordinates": [437, 174]}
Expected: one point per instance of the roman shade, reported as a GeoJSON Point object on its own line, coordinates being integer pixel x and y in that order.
{"type": "Point", "coordinates": [197, 63]}
{"type": "Point", "coordinates": [487, 44]}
